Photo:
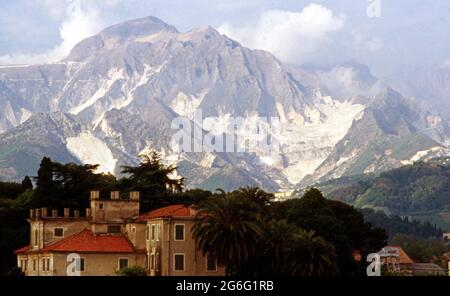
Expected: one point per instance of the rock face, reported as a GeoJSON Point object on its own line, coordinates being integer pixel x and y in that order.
{"type": "Point", "coordinates": [117, 94]}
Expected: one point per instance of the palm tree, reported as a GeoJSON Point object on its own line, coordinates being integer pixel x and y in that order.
{"type": "Point", "coordinates": [311, 255]}
{"type": "Point", "coordinates": [227, 230]}
{"type": "Point", "coordinates": [273, 255]}
{"type": "Point", "coordinates": [258, 196]}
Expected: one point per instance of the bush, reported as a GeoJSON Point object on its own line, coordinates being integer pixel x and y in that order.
{"type": "Point", "coordinates": [132, 271]}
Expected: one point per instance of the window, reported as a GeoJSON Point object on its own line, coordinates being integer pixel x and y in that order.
{"type": "Point", "coordinates": [152, 261]}
{"type": "Point", "coordinates": [147, 232]}
{"type": "Point", "coordinates": [45, 264]}
{"type": "Point", "coordinates": [100, 206]}
{"type": "Point", "coordinates": [178, 262]}
{"type": "Point", "coordinates": [114, 229]}
{"type": "Point", "coordinates": [36, 238]}
{"type": "Point", "coordinates": [211, 263]}
{"type": "Point", "coordinates": [34, 264]}
{"type": "Point", "coordinates": [179, 232]}
{"type": "Point", "coordinates": [58, 232]}
{"type": "Point", "coordinates": [123, 263]}
{"type": "Point", "coordinates": [80, 264]}
{"type": "Point", "coordinates": [23, 264]}
{"type": "Point", "coordinates": [153, 232]}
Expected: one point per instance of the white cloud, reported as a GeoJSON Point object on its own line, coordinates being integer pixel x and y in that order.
{"type": "Point", "coordinates": [80, 21]}
{"type": "Point", "coordinates": [291, 36]}
{"type": "Point", "coordinates": [344, 82]}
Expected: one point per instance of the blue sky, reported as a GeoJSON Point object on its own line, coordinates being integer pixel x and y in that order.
{"type": "Point", "coordinates": [408, 33]}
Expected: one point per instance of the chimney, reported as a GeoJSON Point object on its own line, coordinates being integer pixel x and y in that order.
{"type": "Point", "coordinates": [95, 194]}
{"type": "Point", "coordinates": [88, 212]}
{"type": "Point", "coordinates": [44, 212]}
{"type": "Point", "coordinates": [66, 212]}
{"type": "Point", "coordinates": [76, 213]}
{"type": "Point", "coordinates": [32, 213]}
{"type": "Point", "coordinates": [135, 195]}
{"type": "Point", "coordinates": [54, 213]}
{"type": "Point", "coordinates": [115, 194]}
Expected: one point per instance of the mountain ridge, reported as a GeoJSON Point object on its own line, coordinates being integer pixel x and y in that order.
{"type": "Point", "coordinates": [125, 85]}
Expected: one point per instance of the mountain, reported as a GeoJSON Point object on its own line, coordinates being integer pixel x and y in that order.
{"type": "Point", "coordinates": [420, 190]}
{"type": "Point", "coordinates": [43, 134]}
{"type": "Point", "coordinates": [123, 89]}
{"type": "Point", "coordinates": [430, 86]}
{"type": "Point", "coordinates": [389, 133]}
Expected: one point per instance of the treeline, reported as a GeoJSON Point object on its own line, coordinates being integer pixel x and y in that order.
{"type": "Point", "coordinates": [421, 189]}
{"type": "Point", "coordinates": [246, 230]}
{"type": "Point", "coordinates": [432, 250]}
{"type": "Point", "coordinates": [252, 235]}
{"type": "Point", "coordinates": [394, 224]}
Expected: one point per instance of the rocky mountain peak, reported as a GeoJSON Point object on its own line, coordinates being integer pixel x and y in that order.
{"type": "Point", "coordinates": [137, 27]}
{"type": "Point", "coordinates": [119, 34]}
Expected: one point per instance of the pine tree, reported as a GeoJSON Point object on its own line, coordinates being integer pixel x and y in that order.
{"type": "Point", "coordinates": [27, 184]}
{"type": "Point", "coordinates": [45, 187]}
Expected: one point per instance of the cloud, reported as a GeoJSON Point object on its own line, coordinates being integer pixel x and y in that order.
{"type": "Point", "coordinates": [291, 36]}
{"type": "Point", "coordinates": [81, 20]}
{"type": "Point", "coordinates": [347, 81]}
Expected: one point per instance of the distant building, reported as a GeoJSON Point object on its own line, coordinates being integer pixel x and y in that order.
{"type": "Point", "coordinates": [112, 235]}
{"type": "Point", "coordinates": [446, 236]}
{"type": "Point", "coordinates": [395, 259]}
{"type": "Point", "coordinates": [430, 269]}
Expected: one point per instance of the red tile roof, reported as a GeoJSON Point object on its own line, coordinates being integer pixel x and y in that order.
{"type": "Point", "coordinates": [86, 241]}
{"type": "Point", "coordinates": [22, 250]}
{"type": "Point", "coordinates": [404, 258]}
{"type": "Point", "coordinates": [170, 211]}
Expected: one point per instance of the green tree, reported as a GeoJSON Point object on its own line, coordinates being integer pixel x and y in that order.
{"type": "Point", "coordinates": [45, 187]}
{"type": "Point", "coordinates": [256, 195]}
{"type": "Point", "coordinates": [68, 185]}
{"type": "Point", "coordinates": [311, 255]}
{"type": "Point", "coordinates": [339, 224]}
{"type": "Point", "coordinates": [227, 230]}
{"type": "Point", "coordinates": [154, 180]}
{"type": "Point", "coordinates": [27, 184]}
{"type": "Point", "coordinates": [421, 250]}
{"type": "Point", "coordinates": [287, 250]}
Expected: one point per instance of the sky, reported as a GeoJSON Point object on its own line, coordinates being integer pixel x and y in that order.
{"type": "Point", "coordinates": [387, 35]}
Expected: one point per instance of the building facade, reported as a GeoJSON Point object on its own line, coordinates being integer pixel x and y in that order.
{"type": "Point", "coordinates": [112, 235]}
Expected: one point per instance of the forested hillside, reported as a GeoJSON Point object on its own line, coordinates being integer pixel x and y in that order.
{"type": "Point", "coordinates": [420, 191]}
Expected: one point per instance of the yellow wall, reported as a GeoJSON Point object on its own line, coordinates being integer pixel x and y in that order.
{"type": "Point", "coordinates": [195, 262]}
